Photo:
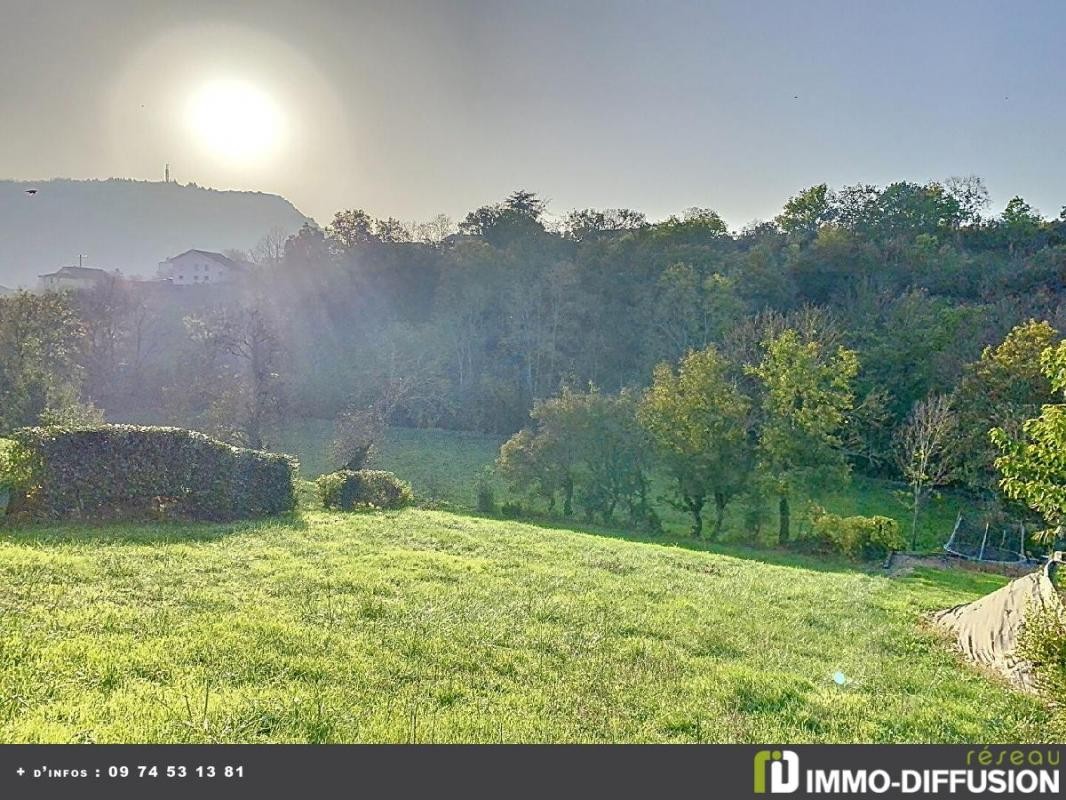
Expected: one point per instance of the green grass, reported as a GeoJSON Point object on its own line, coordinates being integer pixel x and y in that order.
{"type": "Point", "coordinates": [431, 626]}
{"type": "Point", "coordinates": [442, 467]}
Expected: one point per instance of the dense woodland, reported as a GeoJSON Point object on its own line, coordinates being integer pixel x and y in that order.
{"type": "Point", "coordinates": [890, 307]}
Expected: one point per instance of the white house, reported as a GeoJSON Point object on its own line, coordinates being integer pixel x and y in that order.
{"type": "Point", "coordinates": [76, 278]}
{"type": "Point", "coordinates": [195, 267]}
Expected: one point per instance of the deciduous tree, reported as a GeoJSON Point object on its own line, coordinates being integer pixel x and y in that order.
{"type": "Point", "coordinates": [699, 421]}
{"type": "Point", "coordinates": [806, 396]}
{"type": "Point", "coordinates": [927, 451]}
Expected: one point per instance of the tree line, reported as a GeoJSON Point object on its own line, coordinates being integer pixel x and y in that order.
{"type": "Point", "coordinates": [781, 427]}
{"type": "Point", "coordinates": [474, 325]}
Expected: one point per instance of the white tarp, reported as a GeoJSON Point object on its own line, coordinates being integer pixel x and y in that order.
{"type": "Point", "coordinates": [987, 630]}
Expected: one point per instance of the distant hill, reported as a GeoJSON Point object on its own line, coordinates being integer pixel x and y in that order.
{"type": "Point", "coordinates": [126, 225]}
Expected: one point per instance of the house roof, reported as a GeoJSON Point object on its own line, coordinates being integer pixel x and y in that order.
{"type": "Point", "coordinates": [85, 273]}
{"type": "Point", "coordinates": [216, 257]}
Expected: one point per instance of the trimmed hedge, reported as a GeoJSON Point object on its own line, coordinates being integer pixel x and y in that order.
{"type": "Point", "coordinates": [365, 488]}
{"type": "Point", "coordinates": [126, 470]}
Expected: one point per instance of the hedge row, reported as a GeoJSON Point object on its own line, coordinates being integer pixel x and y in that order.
{"type": "Point", "coordinates": [128, 470]}
{"type": "Point", "coordinates": [365, 488]}
{"type": "Point", "coordinates": [857, 537]}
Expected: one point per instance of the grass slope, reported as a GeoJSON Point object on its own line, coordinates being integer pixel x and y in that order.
{"type": "Point", "coordinates": [430, 626]}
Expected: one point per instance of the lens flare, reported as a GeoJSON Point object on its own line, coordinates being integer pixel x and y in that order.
{"type": "Point", "coordinates": [236, 121]}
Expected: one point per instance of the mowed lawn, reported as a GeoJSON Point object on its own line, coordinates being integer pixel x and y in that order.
{"type": "Point", "coordinates": [435, 627]}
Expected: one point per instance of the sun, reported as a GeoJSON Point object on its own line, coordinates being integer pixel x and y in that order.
{"type": "Point", "coordinates": [236, 121]}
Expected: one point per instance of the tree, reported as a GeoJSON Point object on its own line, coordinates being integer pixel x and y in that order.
{"type": "Point", "coordinates": [351, 228]}
{"type": "Point", "coordinates": [237, 371]}
{"type": "Point", "coordinates": [435, 230]}
{"type": "Point", "coordinates": [1032, 464]}
{"type": "Point", "coordinates": [115, 319]}
{"type": "Point", "coordinates": [526, 203]}
{"type": "Point", "coordinates": [971, 196]}
{"type": "Point", "coordinates": [614, 456]}
{"type": "Point", "coordinates": [1019, 222]}
{"type": "Point", "coordinates": [535, 464]}
{"type": "Point", "coordinates": [868, 431]}
{"type": "Point", "coordinates": [392, 231]}
{"type": "Point", "coordinates": [590, 223]}
{"type": "Point", "coordinates": [678, 318]}
{"type": "Point", "coordinates": [806, 396]}
{"type": "Point", "coordinates": [926, 451]}
{"type": "Point", "coordinates": [40, 369]}
{"type": "Point", "coordinates": [402, 368]}
{"type": "Point", "coordinates": [516, 219]}
{"type": "Point", "coordinates": [269, 251]}
{"type": "Point", "coordinates": [699, 421]}
{"type": "Point", "coordinates": [1002, 389]}
{"type": "Point", "coordinates": [543, 461]}
{"type": "Point", "coordinates": [694, 224]}
{"type": "Point", "coordinates": [539, 303]}
{"type": "Point", "coordinates": [590, 447]}
{"type": "Point", "coordinates": [307, 248]}
{"type": "Point", "coordinates": [805, 213]}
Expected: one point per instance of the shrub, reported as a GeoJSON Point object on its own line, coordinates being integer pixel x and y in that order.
{"type": "Point", "coordinates": [857, 537]}
{"type": "Point", "coordinates": [131, 471]}
{"type": "Point", "coordinates": [347, 489]}
{"type": "Point", "coordinates": [1043, 644]}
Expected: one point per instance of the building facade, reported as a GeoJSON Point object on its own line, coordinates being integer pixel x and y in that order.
{"type": "Point", "coordinates": [75, 278]}
{"type": "Point", "coordinates": [198, 267]}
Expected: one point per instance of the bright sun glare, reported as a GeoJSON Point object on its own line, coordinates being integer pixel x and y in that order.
{"type": "Point", "coordinates": [236, 121]}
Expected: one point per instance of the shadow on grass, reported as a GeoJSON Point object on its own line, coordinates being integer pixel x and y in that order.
{"type": "Point", "coordinates": [140, 532]}
{"type": "Point", "coordinates": [774, 556]}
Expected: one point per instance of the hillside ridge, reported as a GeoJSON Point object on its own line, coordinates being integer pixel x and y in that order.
{"type": "Point", "coordinates": [125, 224]}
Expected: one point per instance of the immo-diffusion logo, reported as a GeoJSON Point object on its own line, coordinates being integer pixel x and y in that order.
{"type": "Point", "coordinates": [1018, 771]}
{"type": "Point", "coordinates": [784, 771]}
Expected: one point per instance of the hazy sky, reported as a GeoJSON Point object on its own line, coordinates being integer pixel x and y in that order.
{"type": "Point", "coordinates": [413, 108]}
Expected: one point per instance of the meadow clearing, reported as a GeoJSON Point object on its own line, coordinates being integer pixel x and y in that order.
{"type": "Point", "coordinates": [443, 468]}
{"type": "Point", "coordinates": [439, 626]}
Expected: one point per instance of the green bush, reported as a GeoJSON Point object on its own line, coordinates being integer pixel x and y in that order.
{"type": "Point", "coordinates": [857, 537]}
{"type": "Point", "coordinates": [346, 489]}
{"type": "Point", "coordinates": [131, 471]}
{"type": "Point", "coordinates": [1043, 644]}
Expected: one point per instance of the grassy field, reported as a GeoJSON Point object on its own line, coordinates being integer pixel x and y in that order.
{"type": "Point", "coordinates": [442, 467]}
{"type": "Point", "coordinates": [432, 626]}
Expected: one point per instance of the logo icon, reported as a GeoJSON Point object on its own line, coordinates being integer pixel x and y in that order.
{"type": "Point", "coordinates": [784, 771]}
